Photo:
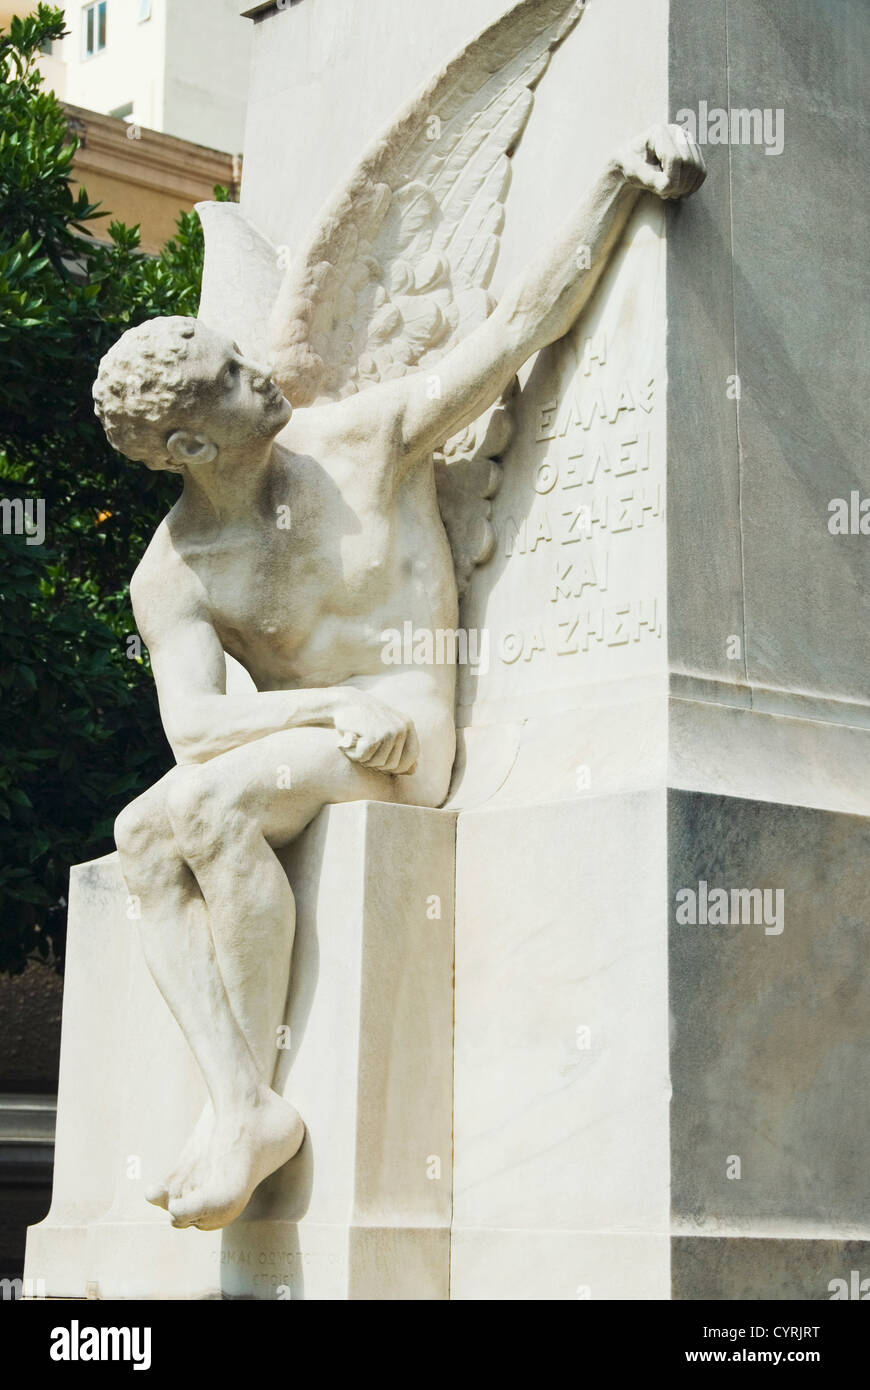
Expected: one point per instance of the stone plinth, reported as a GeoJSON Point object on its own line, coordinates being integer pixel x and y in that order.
{"type": "Point", "coordinates": [769, 1050]}
{"type": "Point", "coordinates": [364, 1210]}
{"type": "Point", "coordinates": [561, 1187]}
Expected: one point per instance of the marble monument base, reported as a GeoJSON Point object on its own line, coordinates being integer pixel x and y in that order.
{"type": "Point", "coordinates": [364, 1209]}
{"type": "Point", "coordinates": [654, 1100]}
{"type": "Point", "coordinates": [651, 1101]}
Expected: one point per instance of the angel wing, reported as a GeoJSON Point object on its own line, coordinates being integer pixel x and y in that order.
{"type": "Point", "coordinates": [467, 476]}
{"type": "Point", "coordinates": [241, 278]}
{"type": "Point", "coordinates": [397, 268]}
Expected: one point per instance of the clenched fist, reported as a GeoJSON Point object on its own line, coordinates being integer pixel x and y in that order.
{"type": "Point", "coordinates": [664, 160]}
{"type": "Point", "coordinates": [375, 735]}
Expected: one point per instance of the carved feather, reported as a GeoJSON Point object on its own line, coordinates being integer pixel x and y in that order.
{"type": "Point", "coordinates": [421, 213]}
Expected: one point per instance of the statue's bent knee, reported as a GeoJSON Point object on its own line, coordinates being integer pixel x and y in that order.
{"type": "Point", "coordinates": [197, 810]}
{"type": "Point", "coordinates": [137, 828]}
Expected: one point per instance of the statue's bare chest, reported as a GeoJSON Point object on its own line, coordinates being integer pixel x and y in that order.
{"type": "Point", "coordinates": [306, 557]}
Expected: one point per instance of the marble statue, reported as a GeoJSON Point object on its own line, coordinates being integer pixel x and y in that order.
{"type": "Point", "coordinates": [309, 523]}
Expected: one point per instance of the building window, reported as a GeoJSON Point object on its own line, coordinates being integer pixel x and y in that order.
{"type": "Point", "coordinates": [94, 28]}
{"type": "Point", "coordinates": [144, 10]}
{"type": "Point", "coordinates": [45, 47]}
{"type": "Point", "coordinates": [123, 113]}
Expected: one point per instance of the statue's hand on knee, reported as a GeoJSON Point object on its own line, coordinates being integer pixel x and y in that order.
{"type": "Point", "coordinates": [375, 735]}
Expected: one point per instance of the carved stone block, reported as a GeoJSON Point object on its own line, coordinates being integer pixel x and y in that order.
{"type": "Point", "coordinates": [364, 1212]}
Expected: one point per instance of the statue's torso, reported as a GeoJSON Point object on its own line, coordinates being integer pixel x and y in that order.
{"type": "Point", "coordinates": [330, 557]}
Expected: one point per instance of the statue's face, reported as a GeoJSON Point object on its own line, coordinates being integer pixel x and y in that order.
{"type": "Point", "coordinates": [237, 403]}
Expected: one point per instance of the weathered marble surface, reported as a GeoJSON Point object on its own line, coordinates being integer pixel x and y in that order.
{"type": "Point", "coordinates": [769, 1044]}
{"type": "Point", "coordinates": [732, 1268]}
{"type": "Point", "coordinates": [764, 267]}
{"type": "Point", "coordinates": [562, 1089]}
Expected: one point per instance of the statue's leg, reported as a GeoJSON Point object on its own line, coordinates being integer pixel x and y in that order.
{"type": "Point", "coordinates": [223, 817]}
{"type": "Point", "coordinates": [176, 939]}
{"type": "Point", "coordinates": [179, 951]}
{"type": "Point", "coordinates": [228, 816]}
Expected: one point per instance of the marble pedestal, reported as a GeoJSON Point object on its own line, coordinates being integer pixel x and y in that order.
{"type": "Point", "coordinates": [648, 1108]}
{"type": "Point", "coordinates": [561, 1185]}
{"type": "Point", "coordinates": [364, 1209]}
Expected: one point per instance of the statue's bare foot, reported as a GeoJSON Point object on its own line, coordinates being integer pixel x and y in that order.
{"type": "Point", "coordinates": [245, 1147]}
{"type": "Point", "coordinates": [197, 1142]}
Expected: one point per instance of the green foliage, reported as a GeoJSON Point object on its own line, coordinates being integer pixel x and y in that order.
{"type": "Point", "coordinates": [79, 728]}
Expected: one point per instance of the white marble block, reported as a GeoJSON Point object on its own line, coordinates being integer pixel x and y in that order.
{"type": "Point", "coordinates": [562, 1182]}
{"type": "Point", "coordinates": [364, 1210]}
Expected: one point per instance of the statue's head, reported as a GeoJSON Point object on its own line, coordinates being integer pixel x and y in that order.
{"type": "Point", "coordinates": [174, 394]}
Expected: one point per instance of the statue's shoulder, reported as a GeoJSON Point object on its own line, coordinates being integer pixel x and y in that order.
{"type": "Point", "coordinates": [162, 581]}
{"type": "Point", "coordinates": [157, 555]}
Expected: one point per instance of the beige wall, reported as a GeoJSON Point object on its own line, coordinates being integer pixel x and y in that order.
{"type": "Point", "coordinates": [143, 175]}
{"type": "Point", "coordinates": [51, 65]}
{"type": "Point", "coordinates": [19, 7]}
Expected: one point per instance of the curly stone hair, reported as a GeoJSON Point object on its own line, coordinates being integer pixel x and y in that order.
{"type": "Point", "coordinates": [142, 387]}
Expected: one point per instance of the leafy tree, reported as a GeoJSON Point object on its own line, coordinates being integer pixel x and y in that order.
{"type": "Point", "coordinates": [79, 727]}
